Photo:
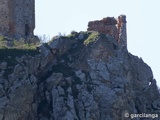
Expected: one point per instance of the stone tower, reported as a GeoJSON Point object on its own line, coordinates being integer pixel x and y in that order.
{"type": "Point", "coordinates": [17, 17]}
{"type": "Point", "coordinates": [111, 26]}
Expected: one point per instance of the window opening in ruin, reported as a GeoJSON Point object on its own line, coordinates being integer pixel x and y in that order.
{"type": "Point", "coordinates": [26, 29]}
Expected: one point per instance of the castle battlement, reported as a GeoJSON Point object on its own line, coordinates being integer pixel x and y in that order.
{"type": "Point", "coordinates": [17, 17]}
{"type": "Point", "coordinates": [111, 26]}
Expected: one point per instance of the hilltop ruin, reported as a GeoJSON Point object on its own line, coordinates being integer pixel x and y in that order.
{"type": "Point", "coordinates": [111, 26]}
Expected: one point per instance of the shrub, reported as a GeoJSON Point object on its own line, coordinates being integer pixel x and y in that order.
{"type": "Point", "coordinates": [44, 38]}
{"type": "Point", "coordinates": [93, 36]}
{"type": "Point", "coordinates": [73, 32]}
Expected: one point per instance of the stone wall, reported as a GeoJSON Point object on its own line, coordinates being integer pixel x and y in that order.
{"type": "Point", "coordinates": [111, 26]}
{"type": "Point", "coordinates": [4, 16]}
{"type": "Point", "coordinates": [17, 17]}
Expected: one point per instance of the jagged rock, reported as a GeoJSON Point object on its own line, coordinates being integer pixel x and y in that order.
{"type": "Point", "coordinates": [1, 73]}
{"type": "Point", "coordinates": [54, 80]}
{"type": "Point", "coordinates": [81, 36]}
{"type": "Point", "coordinates": [156, 104]}
{"type": "Point", "coordinates": [3, 65]}
{"type": "Point", "coordinates": [3, 102]}
{"type": "Point", "coordinates": [2, 92]}
{"type": "Point", "coordinates": [81, 75]}
{"type": "Point", "coordinates": [44, 49]}
{"type": "Point", "coordinates": [103, 72]}
{"type": "Point", "coordinates": [21, 98]}
{"type": "Point", "coordinates": [69, 80]}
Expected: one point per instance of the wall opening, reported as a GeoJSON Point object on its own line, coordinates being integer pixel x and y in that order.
{"type": "Point", "coordinates": [27, 30]}
{"type": "Point", "coordinates": [11, 28]}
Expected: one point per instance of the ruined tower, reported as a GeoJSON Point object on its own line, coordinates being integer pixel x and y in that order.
{"type": "Point", "coordinates": [111, 26]}
{"type": "Point", "coordinates": [17, 17]}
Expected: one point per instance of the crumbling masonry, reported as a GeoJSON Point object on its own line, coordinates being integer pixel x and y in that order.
{"type": "Point", "coordinates": [17, 17]}
{"type": "Point", "coordinates": [111, 26]}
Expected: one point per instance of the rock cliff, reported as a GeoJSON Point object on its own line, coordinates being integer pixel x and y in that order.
{"type": "Point", "coordinates": [83, 76]}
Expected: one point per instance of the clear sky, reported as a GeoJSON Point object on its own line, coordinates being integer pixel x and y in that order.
{"type": "Point", "coordinates": [143, 22]}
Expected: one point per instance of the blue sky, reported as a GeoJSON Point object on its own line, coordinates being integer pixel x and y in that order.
{"type": "Point", "coordinates": [143, 22]}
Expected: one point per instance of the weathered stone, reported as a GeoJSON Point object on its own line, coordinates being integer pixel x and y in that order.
{"type": "Point", "coordinates": [1, 73]}
{"type": "Point", "coordinates": [2, 92]}
{"type": "Point", "coordinates": [1, 116]}
{"type": "Point", "coordinates": [81, 75]}
{"type": "Point", "coordinates": [103, 71]}
{"type": "Point", "coordinates": [20, 102]}
{"type": "Point", "coordinates": [92, 63]}
{"type": "Point", "coordinates": [44, 49]}
{"type": "Point", "coordinates": [81, 36]}
{"type": "Point", "coordinates": [3, 65]}
{"type": "Point", "coordinates": [4, 101]}
{"type": "Point", "coordinates": [156, 104]}
{"type": "Point", "coordinates": [55, 44]}
{"type": "Point", "coordinates": [53, 80]}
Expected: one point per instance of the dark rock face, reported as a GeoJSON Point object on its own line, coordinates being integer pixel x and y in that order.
{"type": "Point", "coordinates": [71, 81]}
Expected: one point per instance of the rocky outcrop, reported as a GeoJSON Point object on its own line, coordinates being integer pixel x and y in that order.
{"type": "Point", "coordinates": [69, 80]}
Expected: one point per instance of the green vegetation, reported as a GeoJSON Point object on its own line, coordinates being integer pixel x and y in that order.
{"type": "Point", "coordinates": [2, 38]}
{"type": "Point", "coordinates": [73, 34]}
{"type": "Point", "coordinates": [91, 38]}
{"type": "Point", "coordinates": [22, 45]}
{"type": "Point", "coordinates": [16, 44]}
{"type": "Point", "coordinates": [16, 48]}
{"type": "Point", "coordinates": [88, 37]}
{"type": "Point", "coordinates": [10, 49]}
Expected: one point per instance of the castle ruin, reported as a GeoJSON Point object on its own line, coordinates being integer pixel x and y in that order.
{"type": "Point", "coordinates": [111, 26]}
{"type": "Point", "coordinates": [17, 17]}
